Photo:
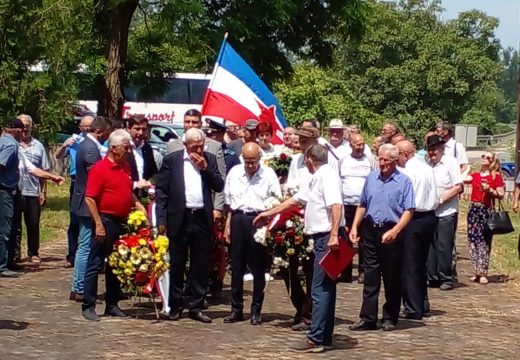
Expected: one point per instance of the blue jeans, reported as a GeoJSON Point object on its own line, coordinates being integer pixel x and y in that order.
{"type": "Point", "coordinates": [323, 295]}
{"type": "Point", "coordinates": [6, 222]}
{"type": "Point", "coordinates": [82, 253]}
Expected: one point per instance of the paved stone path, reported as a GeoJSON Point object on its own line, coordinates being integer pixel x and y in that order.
{"type": "Point", "coordinates": [38, 321]}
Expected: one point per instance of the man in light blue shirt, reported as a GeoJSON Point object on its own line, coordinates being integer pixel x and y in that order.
{"type": "Point", "coordinates": [9, 177]}
{"type": "Point", "coordinates": [69, 148]}
{"type": "Point", "coordinates": [385, 209]}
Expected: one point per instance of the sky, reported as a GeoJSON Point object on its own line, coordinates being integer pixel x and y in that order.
{"type": "Point", "coordinates": [507, 11]}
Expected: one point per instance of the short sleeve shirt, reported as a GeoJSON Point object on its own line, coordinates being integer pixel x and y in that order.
{"type": "Point", "coordinates": [36, 154]}
{"type": "Point", "coordinates": [477, 195]}
{"type": "Point", "coordinates": [9, 175]}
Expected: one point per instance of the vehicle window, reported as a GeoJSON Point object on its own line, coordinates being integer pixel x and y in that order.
{"type": "Point", "coordinates": [197, 91]}
{"type": "Point", "coordinates": [161, 134]}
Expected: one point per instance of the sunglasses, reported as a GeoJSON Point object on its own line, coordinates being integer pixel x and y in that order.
{"type": "Point", "coordinates": [486, 157]}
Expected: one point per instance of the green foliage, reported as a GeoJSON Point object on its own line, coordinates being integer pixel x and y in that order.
{"type": "Point", "coordinates": [314, 92]}
{"type": "Point", "coordinates": [413, 68]}
{"type": "Point", "coordinates": [45, 35]}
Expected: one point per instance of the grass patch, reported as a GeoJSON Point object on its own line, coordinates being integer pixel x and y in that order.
{"type": "Point", "coordinates": [54, 219]}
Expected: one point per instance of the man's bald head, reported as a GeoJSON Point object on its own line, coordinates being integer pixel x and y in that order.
{"type": "Point", "coordinates": [251, 150]}
{"type": "Point", "coordinates": [357, 144]}
{"type": "Point", "coordinates": [251, 155]}
{"type": "Point", "coordinates": [406, 151]}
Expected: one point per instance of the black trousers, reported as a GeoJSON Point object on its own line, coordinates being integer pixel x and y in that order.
{"type": "Point", "coordinates": [440, 256]}
{"type": "Point", "coordinates": [245, 251]}
{"type": "Point", "coordinates": [350, 213]}
{"type": "Point", "coordinates": [99, 251]}
{"type": "Point", "coordinates": [300, 298]}
{"type": "Point", "coordinates": [417, 238]}
{"type": "Point", "coordinates": [28, 207]}
{"type": "Point", "coordinates": [193, 238]}
{"type": "Point", "coordinates": [380, 259]}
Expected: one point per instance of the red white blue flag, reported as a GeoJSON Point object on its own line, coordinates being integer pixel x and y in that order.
{"type": "Point", "coordinates": [236, 93]}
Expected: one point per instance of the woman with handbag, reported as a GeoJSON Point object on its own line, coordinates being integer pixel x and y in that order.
{"type": "Point", "coordinates": [486, 186]}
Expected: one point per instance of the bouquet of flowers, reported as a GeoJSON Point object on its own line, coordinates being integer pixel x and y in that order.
{"type": "Point", "coordinates": [280, 164]}
{"type": "Point", "coordinates": [261, 233]}
{"type": "Point", "coordinates": [139, 257]}
{"type": "Point", "coordinates": [286, 237]}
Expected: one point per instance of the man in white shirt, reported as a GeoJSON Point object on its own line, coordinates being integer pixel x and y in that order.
{"type": "Point", "coordinates": [452, 147]}
{"type": "Point", "coordinates": [247, 190]}
{"type": "Point", "coordinates": [324, 222]}
{"type": "Point", "coordinates": [288, 141]}
{"type": "Point", "coordinates": [418, 235]}
{"type": "Point", "coordinates": [338, 148]}
{"type": "Point", "coordinates": [299, 174]}
{"type": "Point", "coordinates": [448, 181]}
{"type": "Point", "coordinates": [353, 171]}
{"type": "Point", "coordinates": [456, 149]}
{"type": "Point", "coordinates": [141, 160]}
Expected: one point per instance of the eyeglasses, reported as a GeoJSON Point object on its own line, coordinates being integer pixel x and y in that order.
{"type": "Point", "coordinates": [251, 162]}
{"type": "Point", "coordinates": [486, 157]}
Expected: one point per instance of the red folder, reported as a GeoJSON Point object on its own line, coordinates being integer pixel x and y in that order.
{"type": "Point", "coordinates": [334, 262]}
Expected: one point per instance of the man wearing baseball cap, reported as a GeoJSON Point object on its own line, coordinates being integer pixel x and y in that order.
{"type": "Point", "coordinates": [9, 178]}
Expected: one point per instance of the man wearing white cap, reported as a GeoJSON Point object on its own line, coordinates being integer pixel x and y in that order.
{"type": "Point", "coordinates": [337, 147]}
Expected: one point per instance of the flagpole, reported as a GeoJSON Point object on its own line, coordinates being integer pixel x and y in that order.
{"type": "Point", "coordinates": [215, 68]}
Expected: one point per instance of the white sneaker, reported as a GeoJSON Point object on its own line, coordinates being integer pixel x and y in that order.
{"type": "Point", "coordinates": [268, 277]}
{"type": "Point", "coordinates": [248, 277]}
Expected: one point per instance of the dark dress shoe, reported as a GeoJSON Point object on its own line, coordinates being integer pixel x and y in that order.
{"type": "Point", "coordinates": [410, 316]}
{"type": "Point", "coordinates": [200, 316]}
{"type": "Point", "coordinates": [387, 325]}
{"type": "Point", "coordinates": [90, 314]}
{"type": "Point", "coordinates": [72, 296]}
{"type": "Point", "coordinates": [256, 319]}
{"type": "Point", "coordinates": [363, 326]}
{"type": "Point", "coordinates": [175, 315]}
{"type": "Point", "coordinates": [115, 311]}
{"type": "Point", "coordinates": [235, 316]}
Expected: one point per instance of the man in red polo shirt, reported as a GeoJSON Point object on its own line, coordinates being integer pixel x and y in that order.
{"type": "Point", "coordinates": [110, 199]}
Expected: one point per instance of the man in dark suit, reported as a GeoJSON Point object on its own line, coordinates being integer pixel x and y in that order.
{"type": "Point", "coordinates": [193, 119]}
{"type": "Point", "coordinates": [141, 159]}
{"type": "Point", "coordinates": [185, 212]}
{"type": "Point", "coordinates": [89, 152]}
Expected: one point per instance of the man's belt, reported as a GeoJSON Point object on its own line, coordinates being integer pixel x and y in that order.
{"type": "Point", "coordinates": [247, 213]}
{"type": "Point", "coordinates": [421, 214]}
{"type": "Point", "coordinates": [194, 211]}
{"type": "Point", "coordinates": [379, 225]}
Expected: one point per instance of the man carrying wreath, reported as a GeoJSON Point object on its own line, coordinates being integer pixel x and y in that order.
{"type": "Point", "coordinates": [323, 222]}
{"type": "Point", "coordinates": [109, 199]}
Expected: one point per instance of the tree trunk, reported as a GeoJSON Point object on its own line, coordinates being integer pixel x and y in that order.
{"type": "Point", "coordinates": [115, 36]}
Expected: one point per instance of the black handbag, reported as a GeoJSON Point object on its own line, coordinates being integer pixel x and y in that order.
{"type": "Point", "coordinates": [499, 221]}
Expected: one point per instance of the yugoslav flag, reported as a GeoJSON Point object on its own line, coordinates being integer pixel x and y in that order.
{"type": "Point", "coordinates": [236, 93]}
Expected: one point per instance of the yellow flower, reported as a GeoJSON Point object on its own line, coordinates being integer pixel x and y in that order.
{"type": "Point", "coordinates": [121, 264]}
{"type": "Point", "coordinates": [142, 242]}
{"type": "Point", "coordinates": [290, 251]}
{"type": "Point", "coordinates": [133, 250]}
{"type": "Point", "coordinates": [128, 271]}
{"type": "Point", "coordinates": [135, 259]}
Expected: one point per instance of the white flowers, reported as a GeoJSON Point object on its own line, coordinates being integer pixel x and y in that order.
{"type": "Point", "coordinates": [272, 202]}
{"type": "Point", "coordinates": [280, 262]}
{"type": "Point", "coordinates": [310, 247]}
{"type": "Point", "coordinates": [289, 223]}
{"type": "Point", "coordinates": [261, 235]}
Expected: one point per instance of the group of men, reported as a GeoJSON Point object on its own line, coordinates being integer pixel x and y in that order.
{"type": "Point", "coordinates": [24, 173]}
{"type": "Point", "coordinates": [399, 205]}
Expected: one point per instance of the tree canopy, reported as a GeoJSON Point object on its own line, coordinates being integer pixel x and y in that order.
{"type": "Point", "coordinates": [413, 68]}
